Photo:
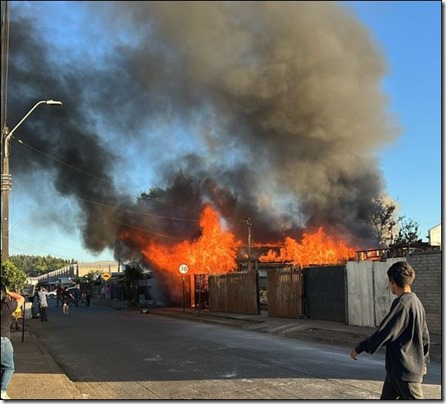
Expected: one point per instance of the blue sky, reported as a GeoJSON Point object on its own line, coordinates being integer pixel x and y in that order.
{"type": "Point", "coordinates": [409, 35]}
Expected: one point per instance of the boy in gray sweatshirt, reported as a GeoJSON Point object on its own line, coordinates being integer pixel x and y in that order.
{"type": "Point", "coordinates": [405, 335]}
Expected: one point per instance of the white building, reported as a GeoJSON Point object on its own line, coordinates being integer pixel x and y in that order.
{"type": "Point", "coordinates": [434, 236]}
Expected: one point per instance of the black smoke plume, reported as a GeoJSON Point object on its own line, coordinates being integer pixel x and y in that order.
{"type": "Point", "coordinates": [280, 106]}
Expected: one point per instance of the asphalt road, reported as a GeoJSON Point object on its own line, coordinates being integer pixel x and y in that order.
{"type": "Point", "coordinates": [119, 354]}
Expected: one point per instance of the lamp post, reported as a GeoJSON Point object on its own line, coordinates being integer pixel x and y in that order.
{"type": "Point", "coordinates": [6, 177]}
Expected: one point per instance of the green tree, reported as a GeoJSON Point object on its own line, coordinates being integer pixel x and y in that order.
{"type": "Point", "coordinates": [35, 265]}
{"type": "Point", "coordinates": [12, 277]}
{"type": "Point", "coordinates": [383, 221]}
{"type": "Point", "coordinates": [154, 194]}
{"type": "Point", "coordinates": [408, 231]}
{"type": "Point", "coordinates": [389, 228]}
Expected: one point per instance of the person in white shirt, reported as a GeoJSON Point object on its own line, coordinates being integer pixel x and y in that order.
{"type": "Point", "coordinates": [43, 304]}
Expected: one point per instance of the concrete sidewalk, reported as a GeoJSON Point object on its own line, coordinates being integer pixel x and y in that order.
{"type": "Point", "coordinates": [38, 376]}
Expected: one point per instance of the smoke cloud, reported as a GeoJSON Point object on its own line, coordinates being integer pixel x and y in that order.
{"type": "Point", "coordinates": [272, 111]}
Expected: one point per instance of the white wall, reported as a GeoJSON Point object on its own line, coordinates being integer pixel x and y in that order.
{"type": "Point", "coordinates": [435, 236]}
{"type": "Point", "coordinates": [368, 295]}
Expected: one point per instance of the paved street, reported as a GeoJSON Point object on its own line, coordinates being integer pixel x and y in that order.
{"type": "Point", "coordinates": [119, 354]}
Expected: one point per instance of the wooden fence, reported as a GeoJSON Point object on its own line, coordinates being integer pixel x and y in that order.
{"type": "Point", "coordinates": [285, 289]}
{"type": "Point", "coordinates": [235, 292]}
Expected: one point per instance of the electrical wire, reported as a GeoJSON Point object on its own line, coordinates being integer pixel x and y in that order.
{"type": "Point", "coordinates": [121, 209]}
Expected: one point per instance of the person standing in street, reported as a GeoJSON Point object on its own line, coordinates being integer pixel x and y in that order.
{"type": "Point", "coordinates": [88, 295]}
{"type": "Point", "coordinates": [67, 298]}
{"type": "Point", "coordinates": [77, 295]}
{"type": "Point", "coordinates": [35, 306]}
{"type": "Point", "coordinates": [10, 302]}
{"type": "Point", "coordinates": [43, 304]}
{"type": "Point", "coordinates": [107, 292]}
{"type": "Point", "coordinates": [405, 335]}
{"type": "Point", "coordinates": [59, 291]}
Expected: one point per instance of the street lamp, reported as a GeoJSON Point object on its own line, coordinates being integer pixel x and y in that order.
{"type": "Point", "coordinates": [6, 177]}
{"type": "Point", "coordinates": [7, 135]}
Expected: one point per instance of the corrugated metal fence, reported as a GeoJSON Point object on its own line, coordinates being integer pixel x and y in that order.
{"type": "Point", "coordinates": [369, 297]}
{"type": "Point", "coordinates": [324, 292]}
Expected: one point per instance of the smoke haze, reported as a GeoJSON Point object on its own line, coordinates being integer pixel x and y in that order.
{"type": "Point", "coordinates": [272, 111]}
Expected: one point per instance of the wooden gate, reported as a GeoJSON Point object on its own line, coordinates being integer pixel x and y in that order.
{"type": "Point", "coordinates": [235, 292]}
{"type": "Point", "coordinates": [285, 287]}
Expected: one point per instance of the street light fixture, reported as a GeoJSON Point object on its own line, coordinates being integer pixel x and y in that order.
{"type": "Point", "coordinates": [6, 177]}
{"type": "Point", "coordinates": [7, 135]}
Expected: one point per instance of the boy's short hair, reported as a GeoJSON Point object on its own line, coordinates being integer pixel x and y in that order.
{"type": "Point", "coordinates": [401, 273]}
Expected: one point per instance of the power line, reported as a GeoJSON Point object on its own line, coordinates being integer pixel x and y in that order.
{"type": "Point", "coordinates": [246, 221]}
{"type": "Point", "coordinates": [100, 179]}
{"type": "Point", "coordinates": [59, 161]}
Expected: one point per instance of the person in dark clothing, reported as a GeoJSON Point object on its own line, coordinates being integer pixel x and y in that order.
{"type": "Point", "coordinates": [59, 292]}
{"type": "Point", "coordinates": [67, 299]}
{"type": "Point", "coordinates": [88, 296]}
{"type": "Point", "coordinates": [405, 335]}
{"type": "Point", "coordinates": [10, 302]}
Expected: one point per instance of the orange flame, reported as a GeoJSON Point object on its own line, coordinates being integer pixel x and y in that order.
{"type": "Point", "coordinates": [213, 252]}
{"type": "Point", "coordinates": [315, 249]}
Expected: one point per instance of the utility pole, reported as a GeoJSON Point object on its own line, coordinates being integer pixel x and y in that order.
{"type": "Point", "coordinates": [5, 177]}
{"type": "Point", "coordinates": [249, 223]}
{"type": "Point", "coordinates": [6, 184]}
